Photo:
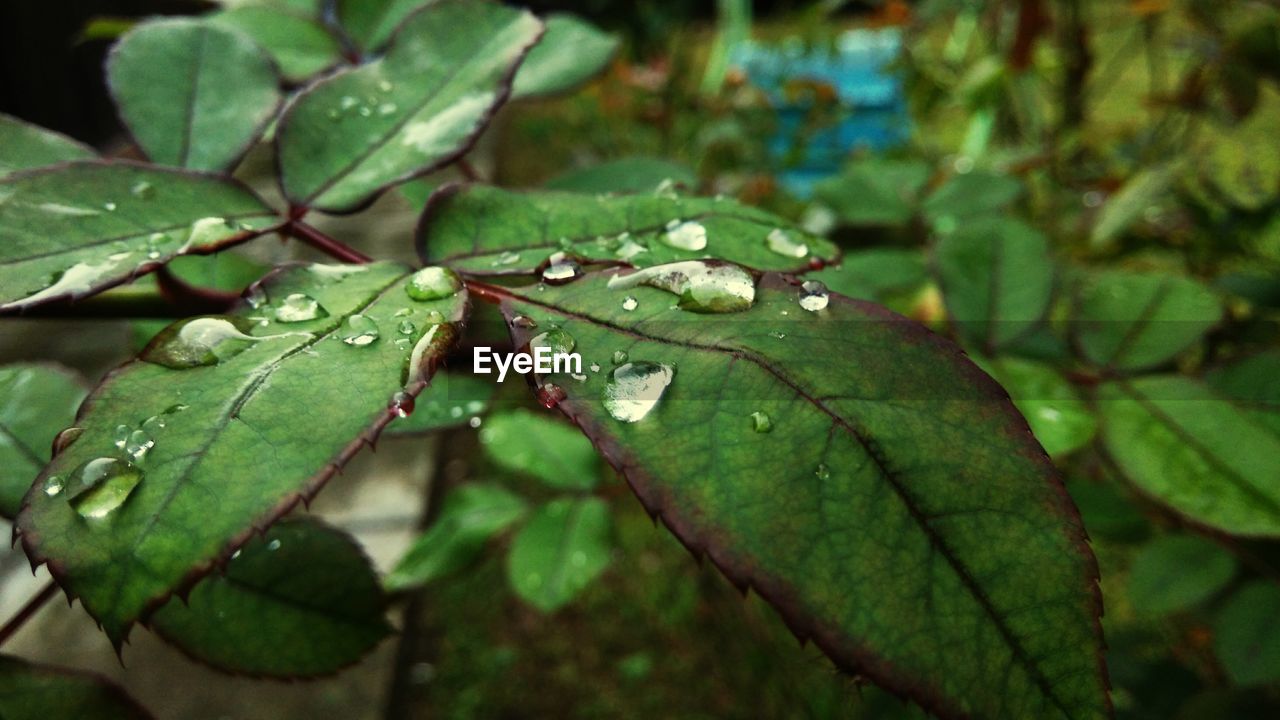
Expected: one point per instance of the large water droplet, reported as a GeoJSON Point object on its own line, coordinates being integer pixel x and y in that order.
{"type": "Point", "coordinates": [556, 340]}
{"type": "Point", "coordinates": [101, 485]}
{"type": "Point", "coordinates": [761, 422]}
{"type": "Point", "coordinates": [359, 330]}
{"type": "Point", "coordinates": [686, 235]}
{"type": "Point", "coordinates": [433, 283]}
{"type": "Point", "coordinates": [298, 307]}
{"type": "Point", "coordinates": [75, 280]}
{"type": "Point", "coordinates": [781, 243]}
{"type": "Point", "coordinates": [561, 270]}
{"type": "Point", "coordinates": [53, 485]}
{"type": "Point", "coordinates": [634, 389]}
{"type": "Point", "coordinates": [814, 296]}
{"type": "Point", "coordinates": [703, 286]}
{"type": "Point", "coordinates": [629, 303]}
{"type": "Point", "coordinates": [200, 341]}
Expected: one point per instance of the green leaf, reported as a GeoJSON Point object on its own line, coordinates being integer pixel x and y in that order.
{"type": "Point", "coordinates": [563, 547]}
{"type": "Point", "coordinates": [524, 442]}
{"type": "Point", "coordinates": [1132, 321]}
{"type": "Point", "coordinates": [889, 276]}
{"type": "Point", "coordinates": [222, 425]}
{"type": "Point", "coordinates": [1193, 451]}
{"type": "Point", "coordinates": [469, 517]}
{"type": "Point", "coordinates": [74, 230]}
{"type": "Point", "coordinates": [1107, 513]}
{"type": "Point", "coordinates": [968, 196]}
{"type": "Point", "coordinates": [570, 53]}
{"type": "Point", "coordinates": [1247, 635]}
{"type": "Point", "coordinates": [996, 278]}
{"type": "Point", "coordinates": [855, 469]}
{"type": "Point", "coordinates": [300, 601]}
{"type": "Point", "coordinates": [1177, 572]}
{"type": "Point", "coordinates": [300, 46]}
{"type": "Point", "coordinates": [39, 692]}
{"type": "Point", "coordinates": [371, 23]}
{"type": "Point", "coordinates": [1252, 384]}
{"type": "Point", "coordinates": [1127, 206]}
{"type": "Point", "coordinates": [354, 133]}
{"type": "Point", "coordinates": [453, 399]}
{"type": "Point", "coordinates": [24, 146]}
{"type": "Point", "coordinates": [485, 230]}
{"type": "Point", "coordinates": [193, 94]}
{"type": "Point", "coordinates": [36, 403]}
{"type": "Point", "coordinates": [875, 191]}
{"type": "Point", "coordinates": [1060, 420]}
{"type": "Point", "coordinates": [625, 175]}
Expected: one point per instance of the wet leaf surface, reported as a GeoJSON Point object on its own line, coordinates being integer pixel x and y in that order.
{"type": "Point", "coordinates": [36, 403]}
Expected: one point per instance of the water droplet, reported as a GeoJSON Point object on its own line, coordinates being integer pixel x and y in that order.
{"type": "Point", "coordinates": [101, 485]}
{"type": "Point", "coordinates": [628, 248]}
{"type": "Point", "coordinates": [778, 335]}
{"type": "Point", "coordinates": [63, 440]}
{"type": "Point", "coordinates": [561, 271]}
{"type": "Point", "coordinates": [549, 395]}
{"type": "Point", "coordinates": [109, 206]}
{"type": "Point", "coordinates": [75, 280]}
{"type": "Point", "coordinates": [208, 230]}
{"type": "Point", "coordinates": [274, 545]}
{"type": "Point", "coordinates": [53, 485]}
{"type": "Point", "coordinates": [407, 327]}
{"type": "Point", "coordinates": [121, 436]}
{"type": "Point", "coordinates": [814, 296]}
{"type": "Point", "coordinates": [347, 102]}
{"type": "Point", "coordinates": [822, 472]}
{"type": "Point", "coordinates": [619, 357]}
{"type": "Point", "coordinates": [666, 189]}
{"type": "Point", "coordinates": [298, 307]}
{"type": "Point", "coordinates": [595, 367]}
{"type": "Point", "coordinates": [402, 404]}
{"type": "Point", "coordinates": [138, 444]}
{"type": "Point", "coordinates": [387, 108]}
{"type": "Point", "coordinates": [359, 330]}
{"type": "Point", "coordinates": [781, 243]}
{"type": "Point", "coordinates": [524, 322]}
{"type": "Point", "coordinates": [556, 340]}
{"type": "Point", "coordinates": [629, 303]}
{"type": "Point", "coordinates": [385, 86]}
{"type": "Point", "coordinates": [634, 389]}
{"type": "Point", "coordinates": [578, 559]}
{"type": "Point", "coordinates": [506, 258]}
{"type": "Point", "coordinates": [703, 286]}
{"type": "Point", "coordinates": [143, 190]}
{"type": "Point", "coordinates": [199, 341]}
{"type": "Point", "coordinates": [761, 422]}
{"type": "Point", "coordinates": [686, 235]}
{"type": "Point", "coordinates": [474, 422]}
{"type": "Point", "coordinates": [433, 283]}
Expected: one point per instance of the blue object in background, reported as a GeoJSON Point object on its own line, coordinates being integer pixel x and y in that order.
{"type": "Point", "coordinates": [872, 109]}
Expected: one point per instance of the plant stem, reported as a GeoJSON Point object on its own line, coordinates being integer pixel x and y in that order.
{"type": "Point", "coordinates": [469, 171]}
{"type": "Point", "coordinates": [31, 608]}
{"type": "Point", "coordinates": [325, 244]}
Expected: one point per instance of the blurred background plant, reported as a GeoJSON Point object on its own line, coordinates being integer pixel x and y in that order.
{"type": "Point", "coordinates": [1084, 193]}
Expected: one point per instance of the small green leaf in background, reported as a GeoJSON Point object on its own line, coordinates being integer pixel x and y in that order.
{"type": "Point", "coordinates": [996, 278]}
{"type": "Point", "coordinates": [469, 516]}
{"type": "Point", "coordinates": [1177, 572]}
{"type": "Point", "coordinates": [563, 547]}
{"type": "Point", "coordinates": [451, 400]}
{"type": "Point", "coordinates": [1060, 419]}
{"type": "Point", "coordinates": [194, 95]}
{"type": "Point", "coordinates": [570, 53]}
{"type": "Point", "coordinates": [223, 424]}
{"type": "Point", "coordinates": [889, 276]}
{"type": "Point", "coordinates": [1127, 206]}
{"type": "Point", "coordinates": [1107, 513]}
{"type": "Point", "coordinates": [1252, 384]}
{"type": "Point", "coordinates": [36, 403]}
{"type": "Point", "coordinates": [300, 45]}
{"type": "Point", "coordinates": [625, 175]}
{"type": "Point", "coordinates": [1132, 321]}
{"type": "Point", "coordinates": [489, 231]}
{"type": "Point", "coordinates": [1193, 451]}
{"type": "Point", "coordinates": [522, 441]}
{"type": "Point", "coordinates": [1231, 160]}
{"type": "Point", "coordinates": [38, 692]}
{"type": "Point", "coordinates": [354, 133]}
{"type": "Point", "coordinates": [72, 230]}
{"type": "Point", "coordinates": [1247, 634]}
{"type": "Point", "coordinates": [969, 195]}
{"type": "Point", "coordinates": [300, 601]}
{"type": "Point", "coordinates": [371, 23]}
{"type": "Point", "coordinates": [24, 146]}
{"type": "Point", "coordinates": [874, 191]}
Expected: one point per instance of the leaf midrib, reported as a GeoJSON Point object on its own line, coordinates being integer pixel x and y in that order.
{"type": "Point", "coordinates": [909, 502]}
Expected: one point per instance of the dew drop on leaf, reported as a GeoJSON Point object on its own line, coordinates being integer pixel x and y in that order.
{"type": "Point", "coordinates": [53, 485]}
{"type": "Point", "coordinates": [143, 190]}
{"type": "Point", "coordinates": [402, 404]}
{"type": "Point", "coordinates": [138, 444]}
{"type": "Point", "coordinates": [629, 303]}
{"type": "Point", "coordinates": [822, 472]}
{"type": "Point", "coordinates": [557, 340]}
{"type": "Point", "coordinates": [433, 283]}
{"type": "Point", "coordinates": [274, 545]}
{"type": "Point", "coordinates": [628, 247]}
{"type": "Point", "coordinates": [298, 307]}
{"type": "Point", "coordinates": [703, 286]}
{"type": "Point", "coordinates": [407, 327]}
{"type": "Point", "coordinates": [549, 395]}
{"type": "Point", "coordinates": [779, 242]}
{"type": "Point", "coordinates": [109, 206]}
{"type": "Point", "coordinates": [619, 357]}
{"type": "Point", "coordinates": [524, 322]}
{"type": "Point", "coordinates": [199, 341]}
{"type": "Point", "coordinates": [814, 296]}
{"type": "Point", "coordinates": [686, 235]}
{"type": "Point", "coordinates": [101, 485]}
{"type": "Point", "coordinates": [121, 436]}
{"type": "Point", "coordinates": [506, 258]}
{"type": "Point", "coordinates": [561, 270]}
{"type": "Point", "coordinates": [359, 331]}
{"type": "Point", "coordinates": [761, 422]}
{"type": "Point", "coordinates": [634, 389]}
